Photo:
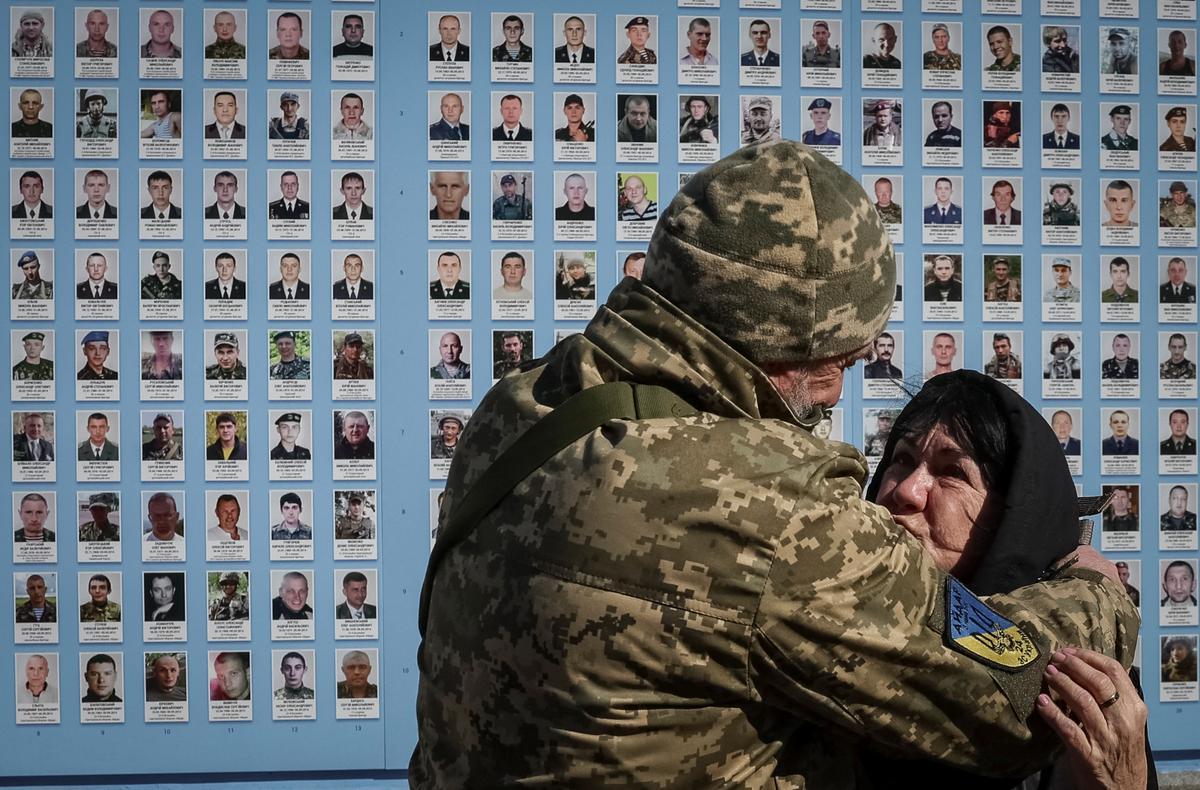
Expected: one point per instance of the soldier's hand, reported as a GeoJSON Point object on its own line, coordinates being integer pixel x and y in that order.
{"type": "Point", "coordinates": [1105, 734]}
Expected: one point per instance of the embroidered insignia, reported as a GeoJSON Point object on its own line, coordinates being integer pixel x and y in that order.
{"type": "Point", "coordinates": [983, 634]}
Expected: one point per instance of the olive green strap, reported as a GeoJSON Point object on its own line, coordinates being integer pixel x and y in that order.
{"type": "Point", "coordinates": [574, 418]}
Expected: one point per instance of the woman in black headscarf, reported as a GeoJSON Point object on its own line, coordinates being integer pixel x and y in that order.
{"type": "Point", "coordinates": [974, 473]}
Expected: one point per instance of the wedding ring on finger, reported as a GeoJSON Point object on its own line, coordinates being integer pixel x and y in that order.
{"type": "Point", "coordinates": [1111, 700]}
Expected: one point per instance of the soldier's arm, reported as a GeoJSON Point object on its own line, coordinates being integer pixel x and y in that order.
{"type": "Point", "coordinates": [854, 629]}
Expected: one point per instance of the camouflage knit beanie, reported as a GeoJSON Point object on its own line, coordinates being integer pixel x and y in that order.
{"type": "Point", "coordinates": [777, 251]}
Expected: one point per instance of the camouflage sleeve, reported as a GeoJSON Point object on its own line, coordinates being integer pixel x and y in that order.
{"type": "Point", "coordinates": [852, 630]}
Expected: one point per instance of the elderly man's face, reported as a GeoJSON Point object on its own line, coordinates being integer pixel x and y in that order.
{"type": "Point", "coordinates": [30, 103]}
{"type": "Point", "coordinates": [164, 430]}
{"type": "Point", "coordinates": [231, 677]}
{"type": "Point", "coordinates": [1179, 583]}
{"type": "Point", "coordinates": [1177, 346]}
{"type": "Point", "coordinates": [355, 429]}
{"type": "Point", "coordinates": [224, 25]}
{"type": "Point", "coordinates": [1119, 203]}
{"type": "Point", "coordinates": [96, 353]}
{"type": "Point", "coordinates": [101, 678]}
{"type": "Point", "coordinates": [450, 348]}
{"type": "Point", "coordinates": [293, 670]}
{"type": "Point", "coordinates": [33, 515]}
{"type": "Point", "coordinates": [935, 490]}
{"type": "Point", "coordinates": [33, 348]}
{"type": "Point", "coordinates": [1002, 196]}
{"type": "Point", "coordinates": [1118, 423]}
{"type": "Point", "coordinates": [449, 189]}
{"type": "Point", "coordinates": [163, 517]}
{"type": "Point", "coordinates": [97, 430]}
{"type": "Point", "coordinates": [1178, 501]}
{"type": "Point", "coordinates": [35, 588]}
{"type": "Point", "coordinates": [166, 673]}
{"type": "Point", "coordinates": [942, 116]}
{"type": "Point", "coordinates": [637, 114]}
{"type": "Point", "coordinates": [884, 37]}
{"type": "Point", "coordinates": [294, 592]}
{"type": "Point", "coordinates": [31, 189]}
{"type": "Point", "coordinates": [162, 27]}
{"type": "Point", "coordinates": [943, 270]}
{"type": "Point", "coordinates": [37, 670]}
{"type": "Point", "coordinates": [1179, 425]}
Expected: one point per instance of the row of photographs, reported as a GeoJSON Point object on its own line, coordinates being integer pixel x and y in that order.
{"type": "Point", "coordinates": [288, 211]}
{"type": "Point", "coordinates": [226, 367]}
{"type": "Point", "coordinates": [760, 52]}
{"type": "Point", "coordinates": [41, 606]}
{"type": "Point", "coordinates": [162, 283]}
{"type": "Point", "coordinates": [293, 692]}
{"type": "Point", "coordinates": [159, 527]}
{"type": "Point", "coordinates": [96, 48]}
{"type": "Point", "coordinates": [640, 122]}
{"type": "Point", "coordinates": [225, 127]}
{"type": "Point", "coordinates": [227, 445]}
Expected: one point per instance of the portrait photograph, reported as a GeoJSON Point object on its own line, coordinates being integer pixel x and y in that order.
{"type": "Point", "coordinates": [1119, 47]}
{"type": "Point", "coordinates": [941, 129]}
{"type": "Point", "coordinates": [574, 48]}
{"type": "Point", "coordinates": [1062, 210]}
{"type": "Point", "coordinates": [1177, 606]}
{"type": "Point", "coordinates": [224, 121]}
{"type": "Point", "coordinates": [289, 44]}
{"type": "Point", "coordinates": [1061, 140]}
{"type": "Point", "coordinates": [1177, 517]}
{"type": "Point", "coordinates": [226, 451]}
{"type": "Point", "coordinates": [575, 130]}
{"type": "Point", "coordinates": [31, 31]}
{"type": "Point", "coordinates": [700, 128]}
{"type": "Point", "coordinates": [449, 205]}
{"type": "Point", "coordinates": [31, 120]}
{"type": "Point", "coordinates": [100, 610]}
{"type": "Point", "coordinates": [354, 438]}
{"type": "Point", "coordinates": [358, 683]}
{"type": "Point", "coordinates": [1002, 45]}
{"type": "Point", "coordinates": [1176, 288]}
{"type": "Point", "coordinates": [227, 531]}
{"type": "Point", "coordinates": [289, 285]}
{"type": "Point", "coordinates": [38, 691]}
{"type": "Point", "coordinates": [512, 126]}
{"type": "Point", "coordinates": [353, 51]}
{"type": "Point", "coordinates": [98, 518]}
{"type": "Point", "coordinates": [225, 216]}
{"type": "Point", "coordinates": [352, 195]}
{"type": "Point", "coordinates": [290, 456]}
{"type": "Point", "coordinates": [510, 348]}
{"type": "Point", "coordinates": [161, 213]}
{"type": "Point", "coordinates": [32, 190]}
{"type": "Point", "coordinates": [574, 283]}
{"type": "Point", "coordinates": [882, 46]}
{"type": "Point", "coordinates": [289, 364]}
{"type": "Point", "coordinates": [355, 519]}
{"type": "Point", "coordinates": [821, 53]}
{"type": "Point", "coordinates": [164, 608]}
{"type": "Point", "coordinates": [1177, 448]}
{"type": "Point", "coordinates": [225, 284]}
{"type": "Point", "coordinates": [229, 686]}
{"type": "Point", "coordinates": [103, 688]}
{"type": "Point", "coordinates": [445, 427]}
{"type": "Point", "coordinates": [1121, 524]}
{"type": "Point", "coordinates": [1176, 61]}
{"type": "Point", "coordinates": [942, 279]}
{"type": "Point", "coordinates": [96, 213]}
{"type": "Point", "coordinates": [1177, 666]}
{"type": "Point", "coordinates": [450, 47]}
{"type": "Point", "coordinates": [1002, 133]}
{"type": "Point", "coordinates": [226, 372]}
{"type": "Point", "coordinates": [292, 520]}
{"type": "Point", "coordinates": [35, 518]}
{"type": "Point", "coordinates": [353, 132]}
{"type": "Point", "coordinates": [449, 117]}
{"type": "Point", "coordinates": [166, 678]}
{"type": "Point", "coordinates": [162, 526]}
{"type": "Point", "coordinates": [33, 446]}
{"type": "Point", "coordinates": [289, 128]}
{"type": "Point", "coordinates": [356, 604]}
{"type": "Point", "coordinates": [293, 605]}
{"type": "Point", "coordinates": [36, 607]}
{"type": "Point", "coordinates": [98, 377]}
{"type": "Point", "coordinates": [32, 354]}
{"type": "Point", "coordinates": [225, 43]}
{"type": "Point", "coordinates": [512, 284]}
{"type": "Point", "coordinates": [512, 52]}
{"type": "Point", "coordinates": [1120, 441]}
{"type": "Point", "coordinates": [1120, 294]}
{"type": "Point", "coordinates": [293, 697]}
{"type": "Point", "coordinates": [1004, 355]}
{"type": "Point", "coordinates": [96, 48]}
{"type": "Point", "coordinates": [1062, 295]}
{"type": "Point", "coordinates": [699, 50]}
{"type": "Point", "coordinates": [353, 275]}
{"type": "Point", "coordinates": [943, 352]}
{"type": "Point", "coordinates": [882, 122]}
{"type": "Point", "coordinates": [575, 205]}
{"type": "Point", "coordinates": [289, 211]}
{"type": "Point", "coordinates": [95, 122]}
{"type": "Point", "coordinates": [637, 46]}
{"type": "Point", "coordinates": [161, 435]}
{"type": "Point", "coordinates": [513, 202]}
{"type": "Point", "coordinates": [941, 58]}
{"type": "Point", "coordinates": [1060, 58]}
{"type": "Point", "coordinates": [160, 51]}
{"type": "Point", "coordinates": [449, 359]}
{"type": "Point", "coordinates": [760, 41]}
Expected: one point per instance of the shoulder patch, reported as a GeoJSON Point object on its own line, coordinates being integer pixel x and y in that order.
{"type": "Point", "coordinates": [974, 629]}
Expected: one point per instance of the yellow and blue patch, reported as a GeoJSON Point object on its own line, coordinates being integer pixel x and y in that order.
{"type": "Point", "coordinates": [976, 630]}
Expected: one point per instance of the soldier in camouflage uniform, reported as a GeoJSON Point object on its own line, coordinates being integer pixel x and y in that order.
{"type": "Point", "coordinates": [228, 367]}
{"type": "Point", "coordinates": [1177, 366]}
{"type": "Point", "coordinates": [637, 30]}
{"type": "Point", "coordinates": [1060, 209]}
{"type": "Point", "coordinates": [232, 605]}
{"type": "Point", "coordinates": [293, 666]}
{"type": "Point", "coordinates": [890, 211]}
{"type": "Point", "coordinates": [33, 286]}
{"type": "Point", "coordinates": [164, 446]}
{"type": "Point", "coordinates": [33, 367]}
{"type": "Point", "coordinates": [290, 527]}
{"type": "Point", "coordinates": [162, 283]}
{"type": "Point", "coordinates": [99, 528]}
{"type": "Point", "coordinates": [819, 55]}
{"type": "Point", "coordinates": [354, 525]}
{"type": "Point", "coordinates": [699, 596]}
{"type": "Point", "coordinates": [290, 367]}
{"type": "Point", "coordinates": [100, 609]}
{"type": "Point", "coordinates": [162, 364]}
{"type": "Point", "coordinates": [350, 363]}
{"type": "Point", "coordinates": [226, 46]}
{"type": "Point", "coordinates": [941, 58]}
{"type": "Point", "coordinates": [1178, 210]}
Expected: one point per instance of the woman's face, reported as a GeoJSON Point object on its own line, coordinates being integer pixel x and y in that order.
{"type": "Point", "coordinates": [1179, 652]}
{"type": "Point", "coordinates": [937, 493]}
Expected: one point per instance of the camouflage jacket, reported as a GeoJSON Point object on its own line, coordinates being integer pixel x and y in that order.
{"type": "Point", "coordinates": [110, 612]}
{"type": "Point", "coordinates": [1177, 370]}
{"type": "Point", "coordinates": [706, 601]}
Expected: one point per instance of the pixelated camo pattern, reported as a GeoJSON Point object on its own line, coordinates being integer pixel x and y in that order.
{"type": "Point", "coordinates": [706, 601]}
{"type": "Point", "coordinates": [778, 251]}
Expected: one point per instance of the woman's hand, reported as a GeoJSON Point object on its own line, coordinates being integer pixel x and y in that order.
{"type": "Point", "coordinates": [1105, 733]}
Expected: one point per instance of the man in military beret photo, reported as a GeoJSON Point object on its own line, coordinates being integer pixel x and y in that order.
{"type": "Point", "coordinates": [95, 349]}
{"type": "Point", "coordinates": [1177, 125]}
{"type": "Point", "coordinates": [287, 425]}
{"type": "Point", "coordinates": [637, 30]}
{"type": "Point", "coordinates": [818, 112]}
{"type": "Point", "coordinates": [34, 366]}
{"type": "Point", "coordinates": [33, 286]}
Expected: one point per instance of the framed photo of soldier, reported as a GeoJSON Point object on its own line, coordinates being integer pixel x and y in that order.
{"type": "Point", "coordinates": [289, 44]}
{"type": "Point", "coordinates": [512, 126]}
{"type": "Point", "coordinates": [225, 287]}
{"type": "Point", "coordinates": [37, 688]}
{"type": "Point", "coordinates": [354, 436]}
{"type": "Point", "coordinates": [99, 601]}
{"type": "Point", "coordinates": [354, 216]}
{"type": "Point", "coordinates": [160, 284]}
{"type": "Point", "coordinates": [1005, 354]}
{"type": "Point", "coordinates": [35, 517]}
{"type": "Point", "coordinates": [942, 215]}
{"type": "Point", "coordinates": [637, 44]}
{"type": "Point", "coordinates": [1177, 213]}
{"type": "Point", "coordinates": [225, 216]}
{"type": "Point", "coordinates": [354, 364]}
{"type": "Point", "coordinates": [31, 118]}
{"type": "Point", "coordinates": [1062, 364]}
{"type": "Point", "coordinates": [1177, 449]}
{"type": "Point", "coordinates": [1060, 55]}
{"type": "Point", "coordinates": [293, 614]}
{"type": "Point", "coordinates": [160, 55]}
{"type": "Point", "coordinates": [1121, 522]}
{"type": "Point", "coordinates": [512, 56]}
{"type": "Point", "coordinates": [944, 351]}
{"type": "Point", "coordinates": [164, 609]}
{"type": "Point", "coordinates": [224, 123]}
{"type": "Point", "coordinates": [289, 285]}
{"type": "Point", "coordinates": [31, 31]}
{"type": "Point", "coordinates": [103, 688]}
{"type": "Point", "coordinates": [449, 205]}
{"type": "Point", "coordinates": [1119, 225]}
{"type": "Point", "coordinates": [942, 283]}
{"type": "Point", "coordinates": [881, 64]}
{"type": "Point", "coordinates": [1120, 369]}
{"type": "Point", "coordinates": [1067, 424]}
{"type": "Point", "coordinates": [355, 519]}
{"type": "Point", "coordinates": [229, 601]}
{"type": "Point", "coordinates": [1177, 365]}
{"type": "Point", "coordinates": [166, 678]}
{"type": "Point", "coordinates": [227, 532]}
{"type": "Point", "coordinates": [96, 48]}
{"type": "Point", "coordinates": [32, 357]}
{"type": "Point", "coordinates": [449, 275]}
{"type": "Point", "coordinates": [699, 40]}
{"type": "Point", "coordinates": [575, 216]}
{"type": "Point", "coordinates": [225, 32]}
{"type": "Point", "coordinates": [33, 203]}
{"type": "Point", "coordinates": [513, 200]}
{"type": "Point", "coordinates": [161, 437]}
{"type": "Point", "coordinates": [1062, 210]}
{"type": "Point", "coordinates": [942, 47]}
{"type": "Point", "coordinates": [353, 57]}
{"type": "Point", "coordinates": [226, 454]}
{"type": "Point", "coordinates": [35, 602]}
{"type": "Point", "coordinates": [289, 364]}
{"type": "Point", "coordinates": [574, 284]}
{"type": "Point", "coordinates": [574, 48]}
{"type": "Point", "coordinates": [1178, 667]}
{"type": "Point", "coordinates": [510, 348]}
{"type": "Point", "coordinates": [882, 122]}
{"type": "Point", "coordinates": [290, 457]}
{"type": "Point", "coordinates": [97, 284]}
{"type": "Point", "coordinates": [1177, 516]}
{"type": "Point", "coordinates": [230, 691]}
{"type": "Point", "coordinates": [821, 53]}
{"type": "Point", "coordinates": [33, 446]}
{"type": "Point", "coordinates": [356, 604]}
{"type": "Point", "coordinates": [1062, 143]}
{"type": "Point", "coordinates": [445, 427]}
{"type": "Point", "coordinates": [700, 128]}
{"type": "Point", "coordinates": [449, 116]}
{"type": "Point", "coordinates": [353, 132]}
{"type": "Point", "coordinates": [358, 683]}
{"type": "Point", "coordinates": [1002, 133]}
{"type": "Point", "coordinates": [450, 355]}
{"type": "Point", "coordinates": [575, 138]}
{"type": "Point", "coordinates": [289, 125]}
{"type": "Point", "coordinates": [941, 127]}
{"type": "Point", "coordinates": [760, 41]}
{"type": "Point", "coordinates": [162, 526]}
{"type": "Point", "coordinates": [637, 205]}
{"type": "Point", "coordinates": [289, 213]}
{"type": "Point", "coordinates": [98, 376]}
{"type": "Point", "coordinates": [161, 214]}
{"type": "Point", "coordinates": [513, 277]}
{"type": "Point", "coordinates": [450, 47]}
{"type": "Point", "coordinates": [353, 274]}
{"type": "Point", "coordinates": [160, 123]}
{"type": "Point", "coordinates": [291, 524]}
{"type": "Point", "coordinates": [884, 368]}
{"type": "Point", "coordinates": [888, 191]}
{"type": "Point", "coordinates": [97, 450]}
{"type": "Point", "coordinates": [1176, 60]}
{"type": "Point", "coordinates": [226, 355]}
{"type": "Point", "coordinates": [293, 697]}
{"type": "Point", "coordinates": [1177, 288]}
{"type": "Point", "coordinates": [97, 515]}
{"type": "Point", "coordinates": [1119, 145]}
{"type": "Point", "coordinates": [1120, 441]}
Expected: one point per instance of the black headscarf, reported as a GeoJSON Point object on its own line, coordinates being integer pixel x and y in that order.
{"type": "Point", "coordinates": [1040, 522]}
